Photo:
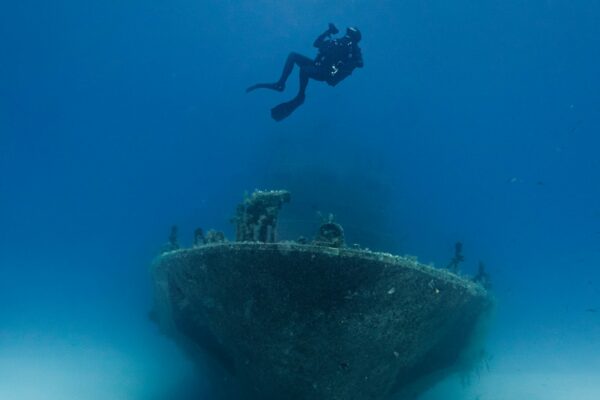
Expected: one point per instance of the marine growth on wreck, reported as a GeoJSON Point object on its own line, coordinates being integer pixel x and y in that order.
{"type": "Point", "coordinates": [314, 319]}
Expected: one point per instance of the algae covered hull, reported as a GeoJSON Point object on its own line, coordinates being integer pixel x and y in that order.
{"type": "Point", "coordinates": [299, 321]}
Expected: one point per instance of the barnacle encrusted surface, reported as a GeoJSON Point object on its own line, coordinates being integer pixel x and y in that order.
{"type": "Point", "coordinates": [299, 321]}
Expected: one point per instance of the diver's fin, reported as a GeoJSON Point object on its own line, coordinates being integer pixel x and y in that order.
{"type": "Point", "coordinates": [284, 110]}
{"type": "Point", "coordinates": [273, 86]}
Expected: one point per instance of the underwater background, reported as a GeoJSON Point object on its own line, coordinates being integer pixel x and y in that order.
{"type": "Point", "coordinates": [475, 121]}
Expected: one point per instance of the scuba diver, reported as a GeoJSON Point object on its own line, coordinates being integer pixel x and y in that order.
{"type": "Point", "coordinates": [336, 60]}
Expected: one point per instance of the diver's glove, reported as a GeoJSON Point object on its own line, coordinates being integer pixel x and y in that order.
{"type": "Point", "coordinates": [332, 29]}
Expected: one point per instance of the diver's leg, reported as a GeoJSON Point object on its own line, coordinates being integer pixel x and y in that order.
{"type": "Point", "coordinates": [284, 110]}
{"type": "Point", "coordinates": [293, 58]}
{"type": "Point", "coordinates": [305, 75]}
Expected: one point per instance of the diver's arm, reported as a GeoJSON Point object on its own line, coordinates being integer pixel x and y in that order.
{"type": "Point", "coordinates": [355, 61]}
{"type": "Point", "coordinates": [358, 60]}
{"type": "Point", "coordinates": [320, 41]}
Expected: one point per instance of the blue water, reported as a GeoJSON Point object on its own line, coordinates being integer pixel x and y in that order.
{"type": "Point", "coordinates": [471, 121]}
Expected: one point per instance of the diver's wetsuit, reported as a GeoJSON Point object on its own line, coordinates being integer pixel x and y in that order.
{"type": "Point", "coordinates": [336, 60]}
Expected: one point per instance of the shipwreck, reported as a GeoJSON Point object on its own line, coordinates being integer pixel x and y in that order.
{"type": "Point", "coordinates": [313, 319]}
